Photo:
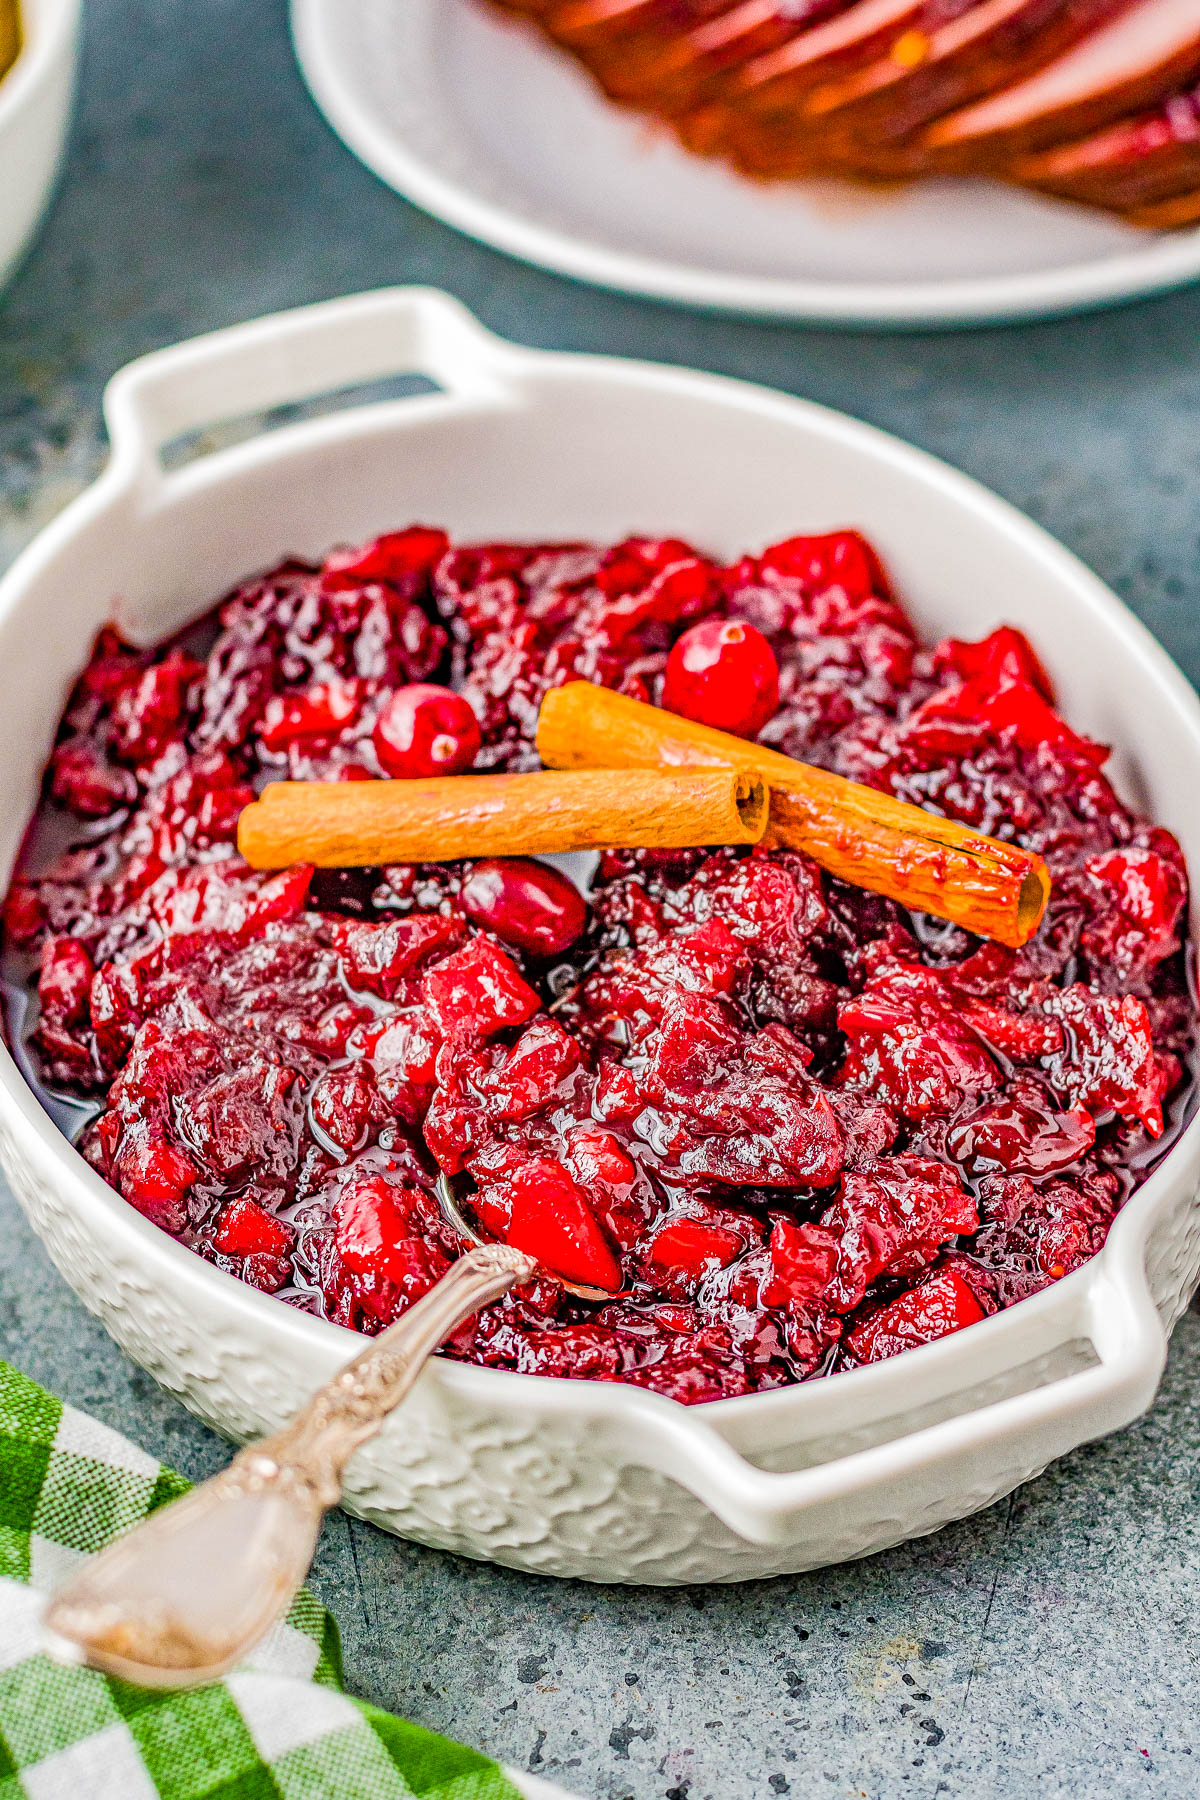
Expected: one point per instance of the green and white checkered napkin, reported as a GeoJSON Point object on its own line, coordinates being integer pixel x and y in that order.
{"type": "Point", "coordinates": [279, 1728]}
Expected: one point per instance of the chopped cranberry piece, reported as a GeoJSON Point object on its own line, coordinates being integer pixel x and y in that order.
{"type": "Point", "coordinates": [630, 566]}
{"type": "Point", "coordinates": [223, 897]}
{"type": "Point", "coordinates": [65, 981]}
{"type": "Point", "coordinates": [1011, 711]}
{"type": "Point", "coordinates": [83, 781]}
{"type": "Point", "coordinates": [148, 714]}
{"type": "Point", "coordinates": [697, 1038]}
{"type": "Point", "coordinates": [378, 957]}
{"type": "Point", "coordinates": [1012, 1135]}
{"type": "Point", "coordinates": [425, 730]}
{"type": "Point", "coordinates": [1006, 655]}
{"type": "Point", "coordinates": [1022, 1036]}
{"type": "Point", "coordinates": [217, 815]}
{"type": "Point", "coordinates": [246, 1230]}
{"type": "Point", "coordinates": [1139, 925]}
{"type": "Point", "coordinates": [940, 1304]}
{"type": "Point", "coordinates": [24, 917]}
{"type": "Point", "coordinates": [373, 1225]}
{"type": "Point", "coordinates": [404, 1053]}
{"type": "Point", "coordinates": [691, 1249]}
{"type": "Point", "coordinates": [113, 665]}
{"type": "Point", "coordinates": [618, 1096]}
{"type": "Point", "coordinates": [597, 1159]}
{"type": "Point", "coordinates": [414, 1266]}
{"type": "Point", "coordinates": [803, 1260]}
{"type": "Point", "coordinates": [322, 711]}
{"type": "Point", "coordinates": [1109, 1060]}
{"type": "Point", "coordinates": [532, 1073]}
{"type": "Point", "coordinates": [734, 1109]}
{"type": "Point", "coordinates": [551, 1220]}
{"type": "Point", "coordinates": [892, 1220]}
{"type": "Point", "coordinates": [841, 560]}
{"type": "Point", "coordinates": [710, 958]}
{"type": "Point", "coordinates": [398, 557]}
{"type": "Point", "coordinates": [772, 902]}
{"type": "Point", "coordinates": [723, 673]}
{"type": "Point", "coordinates": [480, 1091]}
{"type": "Point", "coordinates": [154, 1176]}
{"type": "Point", "coordinates": [526, 903]}
{"type": "Point", "coordinates": [341, 1106]}
{"type": "Point", "coordinates": [910, 1046]}
{"type": "Point", "coordinates": [245, 1119]}
{"type": "Point", "coordinates": [663, 596]}
{"type": "Point", "coordinates": [477, 991]}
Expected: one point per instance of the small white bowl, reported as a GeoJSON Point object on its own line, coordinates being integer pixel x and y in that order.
{"type": "Point", "coordinates": [35, 115]}
{"type": "Point", "coordinates": [587, 1478]}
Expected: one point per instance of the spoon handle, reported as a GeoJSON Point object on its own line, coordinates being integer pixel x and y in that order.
{"type": "Point", "coordinates": [189, 1593]}
{"type": "Point", "coordinates": [312, 1450]}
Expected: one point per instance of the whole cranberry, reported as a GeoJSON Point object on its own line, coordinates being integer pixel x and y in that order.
{"type": "Point", "coordinates": [426, 730]}
{"type": "Point", "coordinates": [526, 903]}
{"type": "Point", "coordinates": [723, 673]}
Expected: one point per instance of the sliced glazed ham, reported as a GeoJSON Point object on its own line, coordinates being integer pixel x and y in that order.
{"type": "Point", "coordinates": [670, 56]}
{"type": "Point", "coordinates": [1149, 50]}
{"type": "Point", "coordinates": [691, 68]}
{"type": "Point", "coordinates": [760, 121]}
{"type": "Point", "coordinates": [1135, 163]}
{"type": "Point", "coordinates": [1087, 99]}
{"type": "Point", "coordinates": [866, 30]}
{"type": "Point", "coordinates": [920, 79]}
{"type": "Point", "coordinates": [1169, 215]}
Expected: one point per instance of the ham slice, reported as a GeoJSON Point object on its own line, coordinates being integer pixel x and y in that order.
{"type": "Point", "coordinates": [668, 56]}
{"type": "Point", "coordinates": [1087, 99]}
{"type": "Point", "coordinates": [855, 38]}
{"type": "Point", "coordinates": [760, 122]}
{"type": "Point", "coordinates": [1135, 163]}
{"type": "Point", "coordinates": [1169, 215]}
{"type": "Point", "coordinates": [1135, 60]}
{"type": "Point", "coordinates": [616, 38]}
{"type": "Point", "coordinates": [927, 75]}
{"type": "Point", "coordinates": [694, 67]}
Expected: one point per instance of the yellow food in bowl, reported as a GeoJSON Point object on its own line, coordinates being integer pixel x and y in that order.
{"type": "Point", "coordinates": [10, 35]}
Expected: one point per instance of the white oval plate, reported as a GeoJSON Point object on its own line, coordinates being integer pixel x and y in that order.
{"type": "Point", "coordinates": [475, 120]}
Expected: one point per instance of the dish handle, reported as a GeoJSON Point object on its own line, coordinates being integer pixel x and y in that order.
{"type": "Point", "coordinates": [295, 356]}
{"type": "Point", "coordinates": [926, 1456]}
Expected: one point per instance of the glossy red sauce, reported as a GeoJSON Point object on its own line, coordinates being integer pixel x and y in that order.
{"type": "Point", "coordinates": [788, 1125]}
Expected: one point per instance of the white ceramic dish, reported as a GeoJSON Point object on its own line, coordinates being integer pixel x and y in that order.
{"type": "Point", "coordinates": [35, 113]}
{"type": "Point", "coordinates": [587, 1478]}
{"type": "Point", "coordinates": [474, 119]}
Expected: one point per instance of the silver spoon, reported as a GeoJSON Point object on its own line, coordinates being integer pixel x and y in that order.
{"type": "Point", "coordinates": [187, 1595]}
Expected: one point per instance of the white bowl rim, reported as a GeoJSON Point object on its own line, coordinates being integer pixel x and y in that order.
{"type": "Point", "coordinates": [47, 31]}
{"type": "Point", "coordinates": [1119, 1259]}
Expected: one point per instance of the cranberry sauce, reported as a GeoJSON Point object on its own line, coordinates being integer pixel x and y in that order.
{"type": "Point", "coordinates": [785, 1124]}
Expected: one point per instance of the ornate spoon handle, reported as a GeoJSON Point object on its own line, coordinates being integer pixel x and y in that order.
{"type": "Point", "coordinates": [189, 1593]}
{"type": "Point", "coordinates": [314, 1448]}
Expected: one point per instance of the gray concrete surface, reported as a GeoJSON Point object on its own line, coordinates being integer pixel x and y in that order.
{"type": "Point", "coordinates": [1049, 1645]}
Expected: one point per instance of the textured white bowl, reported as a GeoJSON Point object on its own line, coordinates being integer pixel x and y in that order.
{"type": "Point", "coordinates": [588, 1479]}
{"type": "Point", "coordinates": [35, 113]}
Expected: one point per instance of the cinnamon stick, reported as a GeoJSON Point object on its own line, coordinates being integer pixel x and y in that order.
{"type": "Point", "coordinates": [928, 863]}
{"type": "Point", "coordinates": [356, 824]}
